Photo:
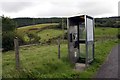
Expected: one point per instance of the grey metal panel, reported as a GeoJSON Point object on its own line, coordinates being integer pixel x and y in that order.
{"type": "Point", "coordinates": [73, 51]}
{"type": "Point", "coordinates": [68, 38]}
{"type": "Point", "coordinates": [86, 59]}
{"type": "Point", "coordinates": [72, 32]}
{"type": "Point", "coordinates": [93, 39]}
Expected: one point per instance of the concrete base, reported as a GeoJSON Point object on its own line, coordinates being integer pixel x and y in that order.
{"type": "Point", "coordinates": [80, 66]}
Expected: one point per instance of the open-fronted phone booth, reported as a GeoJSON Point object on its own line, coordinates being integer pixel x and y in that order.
{"type": "Point", "coordinates": [81, 39]}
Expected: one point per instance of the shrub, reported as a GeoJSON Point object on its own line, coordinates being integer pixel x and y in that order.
{"type": "Point", "coordinates": [21, 38]}
{"type": "Point", "coordinates": [8, 33]}
{"type": "Point", "coordinates": [33, 37]}
{"type": "Point", "coordinates": [8, 40]}
{"type": "Point", "coordinates": [118, 36]}
{"type": "Point", "coordinates": [66, 35]}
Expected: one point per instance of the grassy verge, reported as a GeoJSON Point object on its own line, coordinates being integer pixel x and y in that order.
{"type": "Point", "coordinates": [42, 62]}
{"type": "Point", "coordinates": [102, 49]}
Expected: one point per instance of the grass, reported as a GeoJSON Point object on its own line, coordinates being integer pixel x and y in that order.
{"type": "Point", "coordinates": [46, 32]}
{"type": "Point", "coordinates": [34, 28]}
{"type": "Point", "coordinates": [42, 58]}
{"type": "Point", "coordinates": [42, 61]}
{"type": "Point", "coordinates": [49, 34]}
{"type": "Point", "coordinates": [102, 49]}
{"type": "Point", "coordinates": [105, 33]}
{"type": "Point", "coordinates": [38, 26]}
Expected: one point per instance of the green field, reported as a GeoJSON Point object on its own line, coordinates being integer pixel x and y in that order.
{"type": "Point", "coordinates": [106, 33]}
{"type": "Point", "coordinates": [41, 61]}
{"type": "Point", "coordinates": [39, 26]}
{"type": "Point", "coordinates": [45, 32]}
{"type": "Point", "coordinates": [49, 34]}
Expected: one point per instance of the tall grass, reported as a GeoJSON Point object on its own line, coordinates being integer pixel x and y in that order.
{"type": "Point", "coordinates": [106, 33]}
{"type": "Point", "coordinates": [43, 32]}
{"type": "Point", "coordinates": [42, 61]}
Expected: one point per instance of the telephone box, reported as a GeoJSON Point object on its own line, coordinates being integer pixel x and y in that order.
{"type": "Point", "coordinates": [80, 38]}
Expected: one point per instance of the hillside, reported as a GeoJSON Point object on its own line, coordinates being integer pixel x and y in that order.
{"type": "Point", "coordinates": [40, 33]}
{"type": "Point", "coordinates": [100, 22]}
{"type": "Point", "coordinates": [41, 61]}
{"type": "Point", "coordinates": [108, 22]}
{"type": "Point", "coordinates": [33, 21]}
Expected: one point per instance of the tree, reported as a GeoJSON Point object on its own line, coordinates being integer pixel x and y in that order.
{"type": "Point", "coordinates": [8, 33]}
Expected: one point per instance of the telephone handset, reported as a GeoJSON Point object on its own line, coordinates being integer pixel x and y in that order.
{"type": "Point", "coordinates": [73, 38]}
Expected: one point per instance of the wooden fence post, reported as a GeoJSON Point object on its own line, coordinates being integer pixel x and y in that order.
{"type": "Point", "coordinates": [17, 53]}
{"type": "Point", "coordinates": [58, 48]}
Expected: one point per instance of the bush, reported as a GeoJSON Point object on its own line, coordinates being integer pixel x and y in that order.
{"type": "Point", "coordinates": [28, 38]}
{"type": "Point", "coordinates": [66, 35]}
{"type": "Point", "coordinates": [118, 36]}
{"type": "Point", "coordinates": [21, 38]}
{"type": "Point", "coordinates": [8, 33]}
{"type": "Point", "coordinates": [8, 41]}
{"type": "Point", "coordinates": [33, 37]}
